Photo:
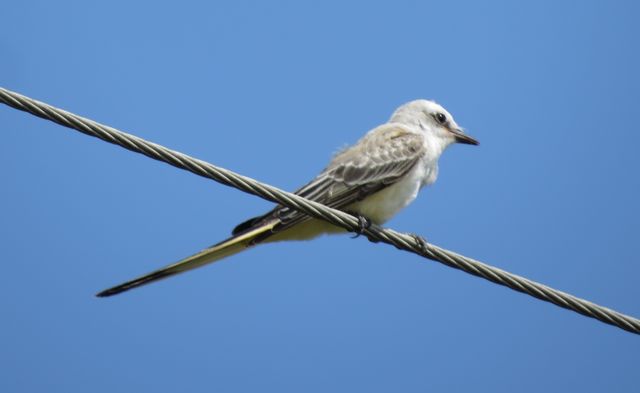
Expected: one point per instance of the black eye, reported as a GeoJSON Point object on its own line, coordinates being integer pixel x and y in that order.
{"type": "Point", "coordinates": [440, 118]}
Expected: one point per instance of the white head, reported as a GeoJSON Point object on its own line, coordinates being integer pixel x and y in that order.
{"type": "Point", "coordinates": [433, 119]}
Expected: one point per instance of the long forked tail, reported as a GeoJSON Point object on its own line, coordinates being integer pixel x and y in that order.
{"type": "Point", "coordinates": [225, 248]}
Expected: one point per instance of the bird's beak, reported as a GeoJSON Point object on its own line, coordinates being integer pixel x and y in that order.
{"type": "Point", "coordinates": [461, 137]}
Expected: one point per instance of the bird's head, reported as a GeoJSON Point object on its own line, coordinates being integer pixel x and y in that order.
{"type": "Point", "coordinates": [433, 119]}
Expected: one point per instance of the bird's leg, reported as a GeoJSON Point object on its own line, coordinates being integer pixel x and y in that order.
{"type": "Point", "coordinates": [422, 243]}
{"type": "Point", "coordinates": [364, 223]}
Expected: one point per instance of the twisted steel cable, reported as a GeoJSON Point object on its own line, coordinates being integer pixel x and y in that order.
{"type": "Point", "coordinates": [375, 233]}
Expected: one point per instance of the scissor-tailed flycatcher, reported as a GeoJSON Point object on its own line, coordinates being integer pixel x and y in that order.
{"type": "Point", "coordinates": [375, 178]}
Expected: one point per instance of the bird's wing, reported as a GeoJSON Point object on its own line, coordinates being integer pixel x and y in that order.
{"type": "Point", "coordinates": [377, 161]}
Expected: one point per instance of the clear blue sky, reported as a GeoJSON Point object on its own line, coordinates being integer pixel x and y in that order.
{"type": "Point", "coordinates": [551, 90]}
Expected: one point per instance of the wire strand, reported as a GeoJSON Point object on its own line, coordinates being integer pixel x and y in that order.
{"type": "Point", "coordinates": [399, 240]}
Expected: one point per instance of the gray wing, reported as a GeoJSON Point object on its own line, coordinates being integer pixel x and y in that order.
{"type": "Point", "coordinates": [377, 161]}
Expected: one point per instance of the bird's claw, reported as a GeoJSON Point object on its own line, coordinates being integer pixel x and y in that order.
{"type": "Point", "coordinates": [363, 224]}
{"type": "Point", "coordinates": [423, 246]}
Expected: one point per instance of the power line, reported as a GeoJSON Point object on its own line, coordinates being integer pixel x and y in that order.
{"type": "Point", "coordinates": [400, 240]}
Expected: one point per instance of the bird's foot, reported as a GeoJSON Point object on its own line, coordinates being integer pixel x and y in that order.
{"type": "Point", "coordinates": [364, 223]}
{"type": "Point", "coordinates": [422, 243]}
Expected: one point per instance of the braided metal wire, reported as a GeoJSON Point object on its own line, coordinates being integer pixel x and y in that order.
{"type": "Point", "coordinates": [401, 241]}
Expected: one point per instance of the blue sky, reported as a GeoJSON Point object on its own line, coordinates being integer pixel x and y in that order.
{"type": "Point", "coordinates": [551, 89]}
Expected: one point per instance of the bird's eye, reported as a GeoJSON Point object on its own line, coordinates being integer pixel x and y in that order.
{"type": "Point", "coordinates": [440, 117]}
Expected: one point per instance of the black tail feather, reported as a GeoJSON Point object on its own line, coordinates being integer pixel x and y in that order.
{"type": "Point", "coordinates": [249, 224]}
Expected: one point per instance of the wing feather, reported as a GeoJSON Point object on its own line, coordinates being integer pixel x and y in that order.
{"type": "Point", "coordinates": [378, 160]}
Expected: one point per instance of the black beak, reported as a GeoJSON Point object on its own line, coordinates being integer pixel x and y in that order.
{"type": "Point", "coordinates": [461, 137]}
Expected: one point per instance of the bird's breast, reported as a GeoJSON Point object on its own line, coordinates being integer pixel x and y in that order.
{"type": "Point", "coordinates": [384, 204]}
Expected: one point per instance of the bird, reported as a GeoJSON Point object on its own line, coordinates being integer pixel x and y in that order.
{"type": "Point", "coordinates": [374, 179]}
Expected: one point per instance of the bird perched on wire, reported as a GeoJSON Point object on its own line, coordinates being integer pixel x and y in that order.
{"type": "Point", "coordinates": [373, 179]}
